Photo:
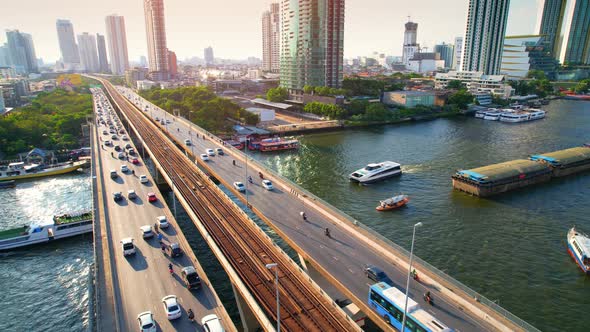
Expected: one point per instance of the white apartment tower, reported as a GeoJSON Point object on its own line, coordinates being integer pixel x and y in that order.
{"type": "Point", "coordinates": [458, 52]}
{"type": "Point", "coordinates": [156, 39]}
{"type": "Point", "coordinates": [270, 38]}
{"type": "Point", "coordinates": [67, 44]}
{"type": "Point", "coordinates": [88, 52]}
{"type": "Point", "coordinates": [117, 44]}
{"type": "Point", "coordinates": [410, 44]}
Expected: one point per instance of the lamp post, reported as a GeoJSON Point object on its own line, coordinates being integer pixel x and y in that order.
{"type": "Point", "coordinates": [419, 224]}
{"type": "Point", "coordinates": [270, 266]}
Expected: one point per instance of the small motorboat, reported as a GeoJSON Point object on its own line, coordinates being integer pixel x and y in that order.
{"type": "Point", "coordinates": [393, 203]}
{"type": "Point", "coordinates": [578, 246]}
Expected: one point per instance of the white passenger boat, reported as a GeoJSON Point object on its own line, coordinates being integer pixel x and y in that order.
{"type": "Point", "coordinates": [20, 170]}
{"type": "Point", "coordinates": [536, 113]}
{"type": "Point", "coordinates": [492, 115]}
{"type": "Point", "coordinates": [522, 116]}
{"type": "Point", "coordinates": [62, 226]}
{"type": "Point", "coordinates": [480, 114]}
{"type": "Point", "coordinates": [376, 172]}
{"type": "Point", "coordinates": [578, 246]}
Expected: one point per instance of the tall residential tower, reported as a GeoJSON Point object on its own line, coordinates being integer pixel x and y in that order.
{"type": "Point", "coordinates": [67, 44]}
{"type": "Point", "coordinates": [102, 54]}
{"type": "Point", "coordinates": [410, 42]}
{"type": "Point", "coordinates": [117, 39]}
{"type": "Point", "coordinates": [312, 43]}
{"type": "Point", "coordinates": [576, 46]}
{"type": "Point", "coordinates": [208, 55]}
{"type": "Point", "coordinates": [271, 31]}
{"type": "Point", "coordinates": [156, 39]}
{"type": "Point", "coordinates": [484, 35]}
{"type": "Point", "coordinates": [550, 24]}
{"type": "Point", "coordinates": [88, 52]}
{"type": "Point", "coordinates": [21, 52]}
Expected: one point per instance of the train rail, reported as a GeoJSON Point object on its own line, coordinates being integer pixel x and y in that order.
{"type": "Point", "coordinates": [303, 307]}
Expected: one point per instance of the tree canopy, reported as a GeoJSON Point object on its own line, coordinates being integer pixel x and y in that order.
{"type": "Point", "coordinates": [328, 110]}
{"type": "Point", "coordinates": [277, 95]}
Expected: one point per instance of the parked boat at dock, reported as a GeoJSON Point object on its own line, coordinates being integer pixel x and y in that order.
{"type": "Point", "coordinates": [393, 203]}
{"type": "Point", "coordinates": [376, 172]}
{"type": "Point", "coordinates": [7, 184]}
{"type": "Point", "coordinates": [522, 116]}
{"type": "Point", "coordinates": [578, 246]}
{"type": "Point", "coordinates": [493, 115]}
{"type": "Point", "coordinates": [277, 144]}
{"type": "Point", "coordinates": [20, 170]}
{"type": "Point", "coordinates": [62, 226]}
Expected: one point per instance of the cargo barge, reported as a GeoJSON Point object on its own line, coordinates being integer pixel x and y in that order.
{"type": "Point", "coordinates": [498, 178]}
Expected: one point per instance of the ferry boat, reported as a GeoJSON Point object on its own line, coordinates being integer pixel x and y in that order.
{"type": "Point", "coordinates": [62, 226]}
{"type": "Point", "coordinates": [7, 184]}
{"type": "Point", "coordinates": [522, 116]}
{"type": "Point", "coordinates": [480, 114]}
{"type": "Point", "coordinates": [376, 172]}
{"type": "Point", "coordinates": [393, 203]}
{"type": "Point", "coordinates": [277, 144]}
{"type": "Point", "coordinates": [20, 170]}
{"type": "Point", "coordinates": [578, 246]}
{"type": "Point", "coordinates": [492, 115]}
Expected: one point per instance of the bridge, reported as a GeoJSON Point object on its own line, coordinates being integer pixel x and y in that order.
{"type": "Point", "coordinates": [247, 254]}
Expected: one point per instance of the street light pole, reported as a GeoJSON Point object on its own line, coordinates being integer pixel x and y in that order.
{"type": "Point", "coordinates": [419, 224]}
{"type": "Point", "coordinates": [270, 266]}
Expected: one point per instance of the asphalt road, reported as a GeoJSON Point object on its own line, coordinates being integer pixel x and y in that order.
{"type": "Point", "coordinates": [144, 279]}
{"type": "Point", "coordinates": [343, 255]}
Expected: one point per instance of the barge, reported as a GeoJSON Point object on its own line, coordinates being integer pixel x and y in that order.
{"type": "Point", "coordinates": [20, 170]}
{"type": "Point", "coordinates": [566, 162]}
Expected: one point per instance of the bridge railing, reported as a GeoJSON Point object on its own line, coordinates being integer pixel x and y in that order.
{"type": "Point", "coordinates": [440, 274]}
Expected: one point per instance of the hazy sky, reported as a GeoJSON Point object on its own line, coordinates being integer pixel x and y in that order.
{"type": "Point", "coordinates": [233, 28]}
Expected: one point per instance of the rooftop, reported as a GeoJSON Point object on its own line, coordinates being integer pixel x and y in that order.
{"type": "Point", "coordinates": [270, 103]}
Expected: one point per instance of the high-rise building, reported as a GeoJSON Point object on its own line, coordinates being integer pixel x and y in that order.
{"type": "Point", "coordinates": [446, 52]}
{"type": "Point", "coordinates": [410, 42]}
{"type": "Point", "coordinates": [576, 46]}
{"type": "Point", "coordinates": [312, 43]}
{"type": "Point", "coordinates": [21, 52]}
{"type": "Point", "coordinates": [103, 63]}
{"type": "Point", "coordinates": [484, 35]}
{"type": "Point", "coordinates": [458, 52]}
{"type": "Point", "coordinates": [117, 39]}
{"type": "Point", "coordinates": [143, 61]}
{"type": "Point", "coordinates": [67, 44]}
{"type": "Point", "coordinates": [271, 31]}
{"type": "Point", "coordinates": [208, 55]}
{"type": "Point", "coordinates": [88, 52]}
{"type": "Point", "coordinates": [156, 39]}
{"type": "Point", "coordinates": [524, 53]}
{"type": "Point", "coordinates": [550, 23]}
{"type": "Point", "coordinates": [4, 56]}
{"type": "Point", "coordinates": [2, 106]}
{"type": "Point", "coordinates": [172, 64]}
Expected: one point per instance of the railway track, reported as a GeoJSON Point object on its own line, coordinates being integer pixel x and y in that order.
{"type": "Point", "coordinates": [303, 307]}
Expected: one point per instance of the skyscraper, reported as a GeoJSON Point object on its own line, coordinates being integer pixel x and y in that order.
{"type": "Point", "coordinates": [172, 64]}
{"type": "Point", "coordinates": [117, 41]}
{"type": "Point", "coordinates": [67, 44]}
{"type": "Point", "coordinates": [21, 52]}
{"type": "Point", "coordinates": [410, 44]}
{"type": "Point", "coordinates": [550, 24]}
{"type": "Point", "coordinates": [458, 52]}
{"type": "Point", "coordinates": [576, 46]}
{"type": "Point", "coordinates": [312, 43]}
{"type": "Point", "coordinates": [103, 63]}
{"type": "Point", "coordinates": [88, 52]}
{"type": "Point", "coordinates": [4, 56]}
{"type": "Point", "coordinates": [271, 31]}
{"type": "Point", "coordinates": [156, 39]}
{"type": "Point", "coordinates": [209, 58]}
{"type": "Point", "coordinates": [484, 35]}
{"type": "Point", "coordinates": [446, 52]}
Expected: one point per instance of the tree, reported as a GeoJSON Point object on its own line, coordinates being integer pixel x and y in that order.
{"type": "Point", "coordinates": [461, 98]}
{"type": "Point", "coordinates": [456, 84]}
{"type": "Point", "coordinates": [536, 74]}
{"type": "Point", "coordinates": [377, 112]}
{"type": "Point", "coordinates": [308, 89]}
{"type": "Point", "coordinates": [277, 95]}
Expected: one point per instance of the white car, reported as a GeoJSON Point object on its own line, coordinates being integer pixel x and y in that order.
{"type": "Point", "coordinates": [124, 168]}
{"type": "Point", "coordinates": [162, 222]}
{"type": "Point", "coordinates": [146, 231]}
{"type": "Point", "coordinates": [210, 152]}
{"type": "Point", "coordinates": [204, 157]}
{"type": "Point", "coordinates": [125, 138]}
{"type": "Point", "coordinates": [267, 184]}
{"type": "Point", "coordinates": [143, 179]}
{"type": "Point", "coordinates": [239, 186]}
{"type": "Point", "coordinates": [146, 322]}
{"type": "Point", "coordinates": [127, 246]}
{"type": "Point", "coordinates": [131, 194]}
{"type": "Point", "coordinates": [211, 323]}
{"type": "Point", "coordinates": [171, 307]}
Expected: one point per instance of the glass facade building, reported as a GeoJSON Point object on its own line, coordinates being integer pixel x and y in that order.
{"type": "Point", "coordinates": [577, 47]}
{"type": "Point", "coordinates": [446, 52]}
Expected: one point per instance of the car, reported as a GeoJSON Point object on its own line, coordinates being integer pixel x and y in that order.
{"type": "Point", "coordinates": [121, 155]}
{"type": "Point", "coordinates": [128, 146]}
{"type": "Point", "coordinates": [267, 184]}
{"type": "Point", "coordinates": [187, 142]}
{"type": "Point", "coordinates": [157, 119]}
{"type": "Point", "coordinates": [146, 322]}
{"type": "Point", "coordinates": [104, 132]}
{"type": "Point", "coordinates": [174, 249]}
{"type": "Point", "coordinates": [210, 152]}
{"type": "Point", "coordinates": [117, 196]}
{"type": "Point", "coordinates": [128, 246]}
{"type": "Point", "coordinates": [239, 186]}
{"type": "Point", "coordinates": [190, 277]}
{"type": "Point", "coordinates": [152, 197]}
{"type": "Point", "coordinates": [171, 307]}
{"type": "Point", "coordinates": [167, 121]}
{"type": "Point", "coordinates": [112, 129]}
{"type": "Point", "coordinates": [114, 137]}
{"type": "Point", "coordinates": [212, 323]}
{"type": "Point", "coordinates": [219, 151]}
{"type": "Point", "coordinates": [131, 194]}
{"type": "Point", "coordinates": [131, 152]}
{"type": "Point", "coordinates": [107, 143]}
{"type": "Point", "coordinates": [121, 132]}
{"type": "Point", "coordinates": [143, 179]}
{"type": "Point", "coordinates": [162, 222]}
{"type": "Point", "coordinates": [162, 123]}
{"type": "Point", "coordinates": [125, 137]}
{"type": "Point", "coordinates": [134, 160]}
{"type": "Point", "coordinates": [117, 148]}
{"type": "Point", "coordinates": [124, 168]}
{"type": "Point", "coordinates": [114, 174]}
{"type": "Point", "coordinates": [146, 231]}
{"type": "Point", "coordinates": [204, 157]}
{"type": "Point", "coordinates": [374, 273]}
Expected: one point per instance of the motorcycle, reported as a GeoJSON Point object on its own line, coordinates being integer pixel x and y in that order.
{"type": "Point", "coordinates": [428, 298]}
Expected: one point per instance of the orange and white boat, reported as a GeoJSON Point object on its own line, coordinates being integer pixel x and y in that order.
{"type": "Point", "coordinates": [393, 203]}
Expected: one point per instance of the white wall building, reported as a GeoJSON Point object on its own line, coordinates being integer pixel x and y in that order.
{"type": "Point", "coordinates": [145, 84]}
{"type": "Point", "coordinates": [264, 114]}
{"type": "Point", "coordinates": [117, 41]}
{"type": "Point", "coordinates": [476, 82]}
{"type": "Point", "coordinates": [458, 52]}
{"type": "Point", "coordinates": [88, 52]}
{"type": "Point", "coordinates": [271, 31]}
{"type": "Point", "coordinates": [67, 44]}
{"type": "Point", "coordinates": [515, 56]}
{"type": "Point", "coordinates": [425, 62]}
{"type": "Point", "coordinates": [410, 45]}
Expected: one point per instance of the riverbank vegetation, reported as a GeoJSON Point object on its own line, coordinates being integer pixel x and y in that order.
{"type": "Point", "coordinates": [201, 106]}
{"type": "Point", "coordinates": [52, 121]}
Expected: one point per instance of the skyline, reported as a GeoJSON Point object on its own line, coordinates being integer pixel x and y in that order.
{"type": "Point", "coordinates": [239, 36]}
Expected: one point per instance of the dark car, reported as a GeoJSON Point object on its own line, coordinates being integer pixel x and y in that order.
{"type": "Point", "coordinates": [374, 273]}
{"type": "Point", "coordinates": [117, 148]}
{"type": "Point", "coordinates": [174, 250]}
{"type": "Point", "coordinates": [131, 152]}
{"type": "Point", "coordinates": [128, 146]}
{"type": "Point", "coordinates": [190, 277]}
{"type": "Point", "coordinates": [117, 196]}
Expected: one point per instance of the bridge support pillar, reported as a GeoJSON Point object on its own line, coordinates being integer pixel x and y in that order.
{"type": "Point", "coordinates": [249, 321]}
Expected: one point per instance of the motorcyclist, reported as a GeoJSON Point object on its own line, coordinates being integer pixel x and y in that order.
{"type": "Point", "coordinates": [160, 237]}
{"type": "Point", "coordinates": [304, 216]}
{"type": "Point", "coordinates": [170, 268]}
{"type": "Point", "coordinates": [250, 179]}
{"type": "Point", "coordinates": [191, 315]}
{"type": "Point", "coordinates": [234, 162]}
{"type": "Point", "coordinates": [327, 232]}
{"type": "Point", "coordinates": [427, 297]}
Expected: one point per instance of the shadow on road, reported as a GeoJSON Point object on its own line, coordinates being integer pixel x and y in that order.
{"type": "Point", "coordinates": [138, 261]}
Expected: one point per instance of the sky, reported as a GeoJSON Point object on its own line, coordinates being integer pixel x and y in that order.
{"type": "Point", "coordinates": [233, 27]}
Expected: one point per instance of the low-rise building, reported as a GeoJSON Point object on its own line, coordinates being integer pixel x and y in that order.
{"type": "Point", "coordinates": [475, 82]}
{"type": "Point", "coordinates": [483, 99]}
{"type": "Point", "coordinates": [264, 114]}
{"type": "Point", "coordinates": [2, 106]}
{"type": "Point", "coordinates": [409, 98]}
{"type": "Point", "coordinates": [134, 75]}
{"type": "Point", "coordinates": [524, 53]}
{"type": "Point", "coordinates": [146, 84]}
{"type": "Point", "coordinates": [426, 62]}
{"type": "Point", "coordinates": [14, 91]}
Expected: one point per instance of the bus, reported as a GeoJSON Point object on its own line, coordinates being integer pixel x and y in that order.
{"type": "Point", "coordinates": [389, 301]}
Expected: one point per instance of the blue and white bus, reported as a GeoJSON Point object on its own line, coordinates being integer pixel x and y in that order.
{"type": "Point", "coordinates": [389, 302]}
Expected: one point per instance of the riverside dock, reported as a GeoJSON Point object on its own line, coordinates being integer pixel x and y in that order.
{"type": "Point", "coordinates": [498, 178]}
